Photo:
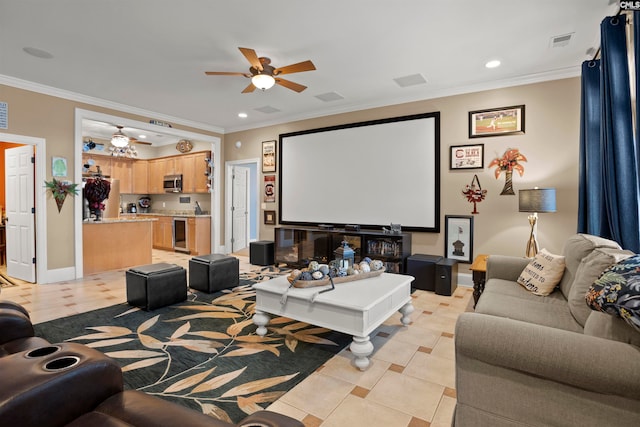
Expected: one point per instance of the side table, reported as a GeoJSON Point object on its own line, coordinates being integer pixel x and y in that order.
{"type": "Point", "coordinates": [479, 273]}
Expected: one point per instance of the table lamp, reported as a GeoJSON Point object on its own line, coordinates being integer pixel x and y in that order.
{"type": "Point", "coordinates": [536, 200]}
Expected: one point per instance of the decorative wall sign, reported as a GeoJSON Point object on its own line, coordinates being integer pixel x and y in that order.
{"type": "Point", "coordinates": [509, 162]}
{"type": "Point", "coordinates": [270, 217]}
{"type": "Point", "coordinates": [496, 121]}
{"type": "Point", "coordinates": [474, 194]}
{"type": "Point", "coordinates": [466, 157]}
{"type": "Point", "coordinates": [458, 238]}
{"type": "Point", "coordinates": [184, 146]}
{"type": "Point", "coordinates": [269, 156]}
{"type": "Point", "coordinates": [269, 188]}
{"type": "Point", "coordinates": [58, 166]}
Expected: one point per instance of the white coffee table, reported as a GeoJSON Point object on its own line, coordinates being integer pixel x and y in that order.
{"type": "Point", "coordinates": [355, 308]}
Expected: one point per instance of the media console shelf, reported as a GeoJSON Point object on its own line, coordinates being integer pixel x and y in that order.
{"type": "Point", "coordinates": [296, 246]}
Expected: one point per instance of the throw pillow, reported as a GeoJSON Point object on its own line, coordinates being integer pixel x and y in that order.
{"type": "Point", "coordinates": [617, 291]}
{"type": "Point", "coordinates": [543, 273]}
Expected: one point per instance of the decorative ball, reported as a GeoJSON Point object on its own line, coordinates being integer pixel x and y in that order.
{"type": "Point", "coordinates": [317, 275]}
{"type": "Point", "coordinates": [324, 268]}
{"type": "Point", "coordinates": [296, 273]}
{"type": "Point", "coordinates": [342, 272]}
{"type": "Point", "coordinates": [306, 276]}
{"type": "Point", "coordinates": [351, 271]}
{"type": "Point", "coordinates": [376, 265]}
{"type": "Point", "coordinates": [314, 266]}
{"type": "Point", "coordinates": [367, 260]}
{"type": "Point", "coordinates": [364, 267]}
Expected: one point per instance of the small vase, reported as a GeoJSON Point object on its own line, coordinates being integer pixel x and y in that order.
{"type": "Point", "coordinates": [507, 190]}
{"type": "Point", "coordinates": [98, 214]}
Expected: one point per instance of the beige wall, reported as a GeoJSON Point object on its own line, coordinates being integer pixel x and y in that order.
{"type": "Point", "coordinates": [43, 116]}
{"type": "Point", "coordinates": [550, 143]}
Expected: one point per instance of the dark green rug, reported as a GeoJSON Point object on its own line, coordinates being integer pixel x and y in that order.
{"type": "Point", "coordinates": [204, 353]}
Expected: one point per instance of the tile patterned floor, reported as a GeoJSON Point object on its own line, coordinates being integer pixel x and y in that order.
{"type": "Point", "coordinates": [410, 382]}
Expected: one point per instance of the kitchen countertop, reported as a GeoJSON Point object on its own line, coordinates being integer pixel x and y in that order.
{"type": "Point", "coordinates": [167, 213]}
{"type": "Point", "coordinates": [118, 220]}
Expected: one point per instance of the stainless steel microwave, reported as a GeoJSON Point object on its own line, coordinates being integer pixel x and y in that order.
{"type": "Point", "coordinates": [172, 184]}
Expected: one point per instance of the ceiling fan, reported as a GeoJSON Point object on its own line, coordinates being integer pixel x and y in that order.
{"type": "Point", "coordinates": [263, 75]}
{"type": "Point", "coordinates": [119, 139]}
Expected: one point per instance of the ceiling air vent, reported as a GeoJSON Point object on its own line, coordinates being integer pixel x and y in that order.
{"type": "Point", "coordinates": [330, 96]}
{"type": "Point", "coordinates": [561, 41]}
{"type": "Point", "coordinates": [412, 80]}
{"type": "Point", "coordinates": [267, 109]}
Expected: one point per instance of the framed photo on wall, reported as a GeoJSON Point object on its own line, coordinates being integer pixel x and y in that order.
{"type": "Point", "coordinates": [466, 157]}
{"type": "Point", "coordinates": [458, 237]}
{"type": "Point", "coordinates": [269, 188]}
{"type": "Point", "coordinates": [496, 121]}
{"type": "Point", "coordinates": [269, 156]}
{"type": "Point", "coordinates": [270, 217]}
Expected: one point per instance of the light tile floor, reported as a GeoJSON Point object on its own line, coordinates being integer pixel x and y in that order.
{"type": "Point", "coordinates": [410, 382]}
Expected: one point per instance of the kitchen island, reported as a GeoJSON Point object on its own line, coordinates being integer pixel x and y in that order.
{"type": "Point", "coordinates": [116, 243]}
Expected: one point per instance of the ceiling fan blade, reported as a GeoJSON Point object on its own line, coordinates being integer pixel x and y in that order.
{"type": "Point", "coordinates": [252, 57]}
{"type": "Point", "coordinates": [137, 141]}
{"type": "Point", "coordinates": [290, 85]}
{"type": "Point", "coordinates": [249, 88]}
{"type": "Point", "coordinates": [295, 68]}
{"type": "Point", "coordinates": [225, 73]}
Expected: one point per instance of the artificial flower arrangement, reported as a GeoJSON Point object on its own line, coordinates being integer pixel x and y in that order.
{"type": "Point", "coordinates": [60, 190]}
{"type": "Point", "coordinates": [96, 191]}
{"type": "Point", "coordinates": [509, 162]}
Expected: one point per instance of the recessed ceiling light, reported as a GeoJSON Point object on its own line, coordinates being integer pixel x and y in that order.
{"type": "Point", "coordinates": [492, 64]}
{"type": "Point", "coordinates": [38, 53]}
{"type": "Point", "coordinates": [142, 136]}
{"type": "Point", "coordinates": [243, 115]}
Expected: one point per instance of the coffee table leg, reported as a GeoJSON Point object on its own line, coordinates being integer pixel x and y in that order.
{"type": "Point", "coordinates": [261, 320]}
{"type": "Point", "coordinates": [406, 311]}
{"type": "Point", "coordinates": [361, 348]}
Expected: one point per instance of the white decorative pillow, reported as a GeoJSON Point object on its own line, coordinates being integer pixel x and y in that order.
{"type": "Point", "coordinates": [543, 273]}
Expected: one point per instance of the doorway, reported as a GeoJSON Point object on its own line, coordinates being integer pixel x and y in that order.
{"type": "Point", "coordinates": [42, 274]}
{"type": "Point", "coordinates": [237, 235]}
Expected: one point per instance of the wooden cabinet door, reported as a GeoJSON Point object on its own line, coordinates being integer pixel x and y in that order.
{"type": "Point", "coordinates": [155, 176]}
{"type": "Point", "coordinates": [140, 177]}
{"type": "Point", "coordinates": [163, 233]}
{"type": "Point", "coordinates": [199, 230]}
{"type": "Point", "coordinates": [104, 162]}
{"type": "Point", "coordinates": [200, 169]}
{"type": "Point", "coordinates": [185, 166]}
{"type": "Point", "coordinates": [121, 170]}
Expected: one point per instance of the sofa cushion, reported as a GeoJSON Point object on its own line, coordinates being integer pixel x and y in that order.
{"type": "Point", "coordinates": [503, 298]}
{"type": "Point", "coordinates": [617, 291]}
{"type": "Point", "coordinates": [589, 270]}
{"type": "Point", "coordinates": [602, 325]}
{"type": "Point", "coordinates": [543, 273]}
{"type": "Point", "coordinates": [575, 249]}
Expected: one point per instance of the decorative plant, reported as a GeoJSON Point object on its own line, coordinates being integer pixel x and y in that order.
{"type": "Point", "coordinates": [96, 190]}
{"type": "Point", "coordinates": [60, 190]}
{"type": "Point", "coordinates": [509, 162]}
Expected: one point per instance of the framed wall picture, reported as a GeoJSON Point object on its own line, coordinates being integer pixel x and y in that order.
{"type": "Point", "coordinates": [270, 217]}
{"type": "Point", "coordinates": [269, 188]}
{"type": "Point", "coordinates": [466, 157]}
{"type": "Point", "coordinates": [496, 121]}
{"type": "Point", "coordinates": [59, 166]}
{"type": "Point", "coordinates": [458, 237]}
{"type": "Point", "coordinates": [269, 156]}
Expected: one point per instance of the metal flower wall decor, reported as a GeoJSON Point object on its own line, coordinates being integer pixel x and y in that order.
{"type": "Point", "coordinates": [60, 190]}
{"type": "Point", "coordinates": [509, 162]}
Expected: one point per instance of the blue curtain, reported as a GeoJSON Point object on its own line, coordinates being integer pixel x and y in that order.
{"type": "Point", "coordinates": [609, 187]}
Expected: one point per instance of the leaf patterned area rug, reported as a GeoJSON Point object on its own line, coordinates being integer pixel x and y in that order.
{"type": "Point", "coordinates": [204, 353]}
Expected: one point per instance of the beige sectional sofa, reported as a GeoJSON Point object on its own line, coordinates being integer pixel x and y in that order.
{"type": "Point", "coordinates": [528, 360]}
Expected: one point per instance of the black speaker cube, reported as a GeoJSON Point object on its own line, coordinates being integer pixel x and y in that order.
{"type": "Point", "coordinates": [423, 268]}
{"type": "Point", "coordinates": [446, 276]}
{"type": "Point", "coordinates": [261, 252]}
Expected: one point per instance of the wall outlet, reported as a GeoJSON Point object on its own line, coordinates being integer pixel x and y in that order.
{"type": "Point", "coordinates": [164, 205]}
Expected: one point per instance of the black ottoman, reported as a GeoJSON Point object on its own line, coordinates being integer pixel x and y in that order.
{"type": "Point", "coordinates": [156, 285]}
{"type": "Point", "coordinates": [261, 252]}
{"type": "Point", "coordinates": [213, 272]}
{"type": "Point", "coordinates": [423, 268]}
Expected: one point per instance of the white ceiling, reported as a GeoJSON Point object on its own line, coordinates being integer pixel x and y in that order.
{"type": "Point", "coordinates": [149, 56]}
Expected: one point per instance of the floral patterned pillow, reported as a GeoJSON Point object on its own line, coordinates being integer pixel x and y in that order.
{"type": "Point", "coordinates": [617, 291]}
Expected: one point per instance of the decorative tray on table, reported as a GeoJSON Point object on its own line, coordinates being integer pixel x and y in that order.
{"type": "Point", "coordinates": [322, 275]}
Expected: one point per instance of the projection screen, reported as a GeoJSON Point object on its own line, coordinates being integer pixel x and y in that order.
{"type": "Point", "coordinates": [369, 173]}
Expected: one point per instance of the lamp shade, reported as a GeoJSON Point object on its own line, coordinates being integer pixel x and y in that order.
{"type": "Point", "coordinates": [537, 200]}
{"type": "Point", "coordinates": [263, 81]}
{"type": "Point", "coordinates": [119, 139]}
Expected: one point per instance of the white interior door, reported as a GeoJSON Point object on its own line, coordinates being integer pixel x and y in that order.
{"type": "Point", "coordinates": [20, 196]}
{"type": "Point", "coordinates": [239, 208]}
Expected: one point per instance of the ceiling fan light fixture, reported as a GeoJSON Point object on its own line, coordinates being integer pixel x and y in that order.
{"type": "Point", "coordinates": [263, 81]}
{"type": "Point", "coordinates": [119, 139]}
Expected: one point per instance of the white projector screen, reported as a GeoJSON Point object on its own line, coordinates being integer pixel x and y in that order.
{"type": "Point", "coordinates": [370, 174]}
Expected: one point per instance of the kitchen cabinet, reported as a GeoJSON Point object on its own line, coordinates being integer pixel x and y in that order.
{"type": "Point", "coordinates": [101, 163]}
{"type": "Point", "coordinates": [192, 167]}
{"type": "Point", "coordinates": [163, 233]}
{"type": "Point", "coordinates": [158, 168]}
{"type": "Point", "coordinates": [140, 177]}
{"type": "Point", "coordinates": [199, 232]}
{"type": "Point", "coordinates": [121, 169]}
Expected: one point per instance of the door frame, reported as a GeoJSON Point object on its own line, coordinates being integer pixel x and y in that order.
{"type": "Point", "coordinates": [81, 114]}
{"type": "Point", "coordinates": [42, 273]}
{"type": "Point", "coordinates": [252, 195]}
